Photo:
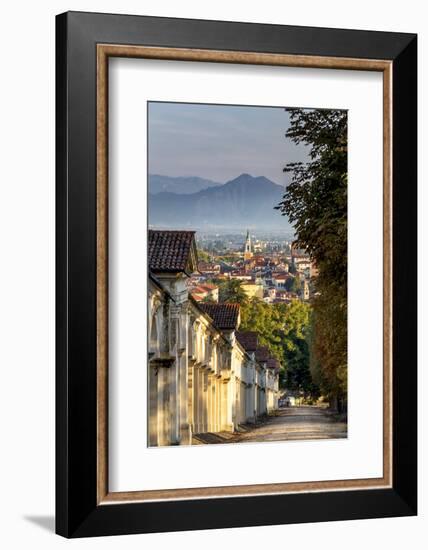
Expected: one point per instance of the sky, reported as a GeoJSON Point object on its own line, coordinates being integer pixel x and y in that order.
{"type": "Point", "coordinates": [220, 142]}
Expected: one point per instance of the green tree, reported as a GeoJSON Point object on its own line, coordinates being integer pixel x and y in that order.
{"type": "Point", "coordinates": [316, 204]}
{"type": "Point", "coordinates": [283, 329]}
{"type": "Point", "coordinates": [231, 291]}
{"type": "Point", "coordinates": [203, 256]}
{"type": "Point", "coordinates": [266, 320]}
{"type": "Point", "coordinates": [293, 284]}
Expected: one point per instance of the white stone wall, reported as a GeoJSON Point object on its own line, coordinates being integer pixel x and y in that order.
{"type": "Point", "coordinates": [200, 380]}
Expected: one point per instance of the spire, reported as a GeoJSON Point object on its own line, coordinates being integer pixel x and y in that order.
{"type": "Point", "coordinates": [248, 253]}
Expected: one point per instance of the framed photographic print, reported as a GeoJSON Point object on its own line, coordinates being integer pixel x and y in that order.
{"type": "Point", "coordinates": [236, 274]}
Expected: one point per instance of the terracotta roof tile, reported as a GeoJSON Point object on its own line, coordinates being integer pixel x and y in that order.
{"type": "Point", "coordinates": [170, 250]}
{"type": "Point", "coordinates": [225, 316]}
{"type": "Point", "coordinates": [208, 286]}
{"type": "Point", "coordinates": [281, 276]}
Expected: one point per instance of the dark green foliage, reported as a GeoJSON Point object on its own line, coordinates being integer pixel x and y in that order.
{"type": "Point", "coordinates": [203, 256]}
{"type": "Point", "coordinates": [316, 205]}
{"type": "Point", "coordinates": [293, 284]}
{"type": "Point", "coordinates": [283, 329]}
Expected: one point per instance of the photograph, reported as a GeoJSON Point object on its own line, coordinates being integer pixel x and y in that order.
{"type": "Point", "coordinates": [246, 273]}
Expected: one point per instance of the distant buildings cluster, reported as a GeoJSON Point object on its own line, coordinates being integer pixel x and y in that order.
{"type": "Point", "coordinates": [281, 275]}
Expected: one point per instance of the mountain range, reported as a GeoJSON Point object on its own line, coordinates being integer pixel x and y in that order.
{"type": "Point", "coordinates": [181, 185]}
{"type": "Point", "coordinates": [245, 201]}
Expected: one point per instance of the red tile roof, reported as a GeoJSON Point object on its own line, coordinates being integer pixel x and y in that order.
{"type": "Point", "coordinates": [281, 276]}
{"type": "Point", "coordinates": [225, 316]}
{"type": "Point", "coordinates": [248, 340]}
{"type": "Point", "coordinates": [208, 286]}
{"type": "Point", "coordinates": [171, 251]}
{"type": "Point", "coordinates": [199, 290]}
{"type": "Point", "coordinates": [198, 297]}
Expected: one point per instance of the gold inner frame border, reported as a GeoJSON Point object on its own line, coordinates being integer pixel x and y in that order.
{"type": "Point", "coordinates": [104, 52]}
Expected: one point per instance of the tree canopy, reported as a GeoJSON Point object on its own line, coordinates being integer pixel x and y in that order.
{"type": "Point", "coordinates": [283, 329]}
{"type": "Point", "coordinates": [231, 291]}
{"type": "Point", "coordinates": [315, 202]}
{"type": "Point", "coordinates": [293, 284]}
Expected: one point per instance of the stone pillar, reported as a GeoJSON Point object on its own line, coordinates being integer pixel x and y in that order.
{"type": "Point", "coordinates": [253, 401]}
{"type": "Point", "coordinates": [232, 403]}
{"type": "Point", "coordinates": [209, 402]}
{"type": "Point", "coordinates": [217, 404]}
{"type": "Point", "coordinates": [213, 381]}
{"type": "Point", "coordinates": [204, 401]}
{"type": "Point", "coordinates": [196, 399]}
{"type": "Point", "coordinates": [258, 401]}
{"type": "Point", "coordinates": [164, 413]}
{"type": "Point", "coordinates": [183, 384]}
{"type": "Point", "coordinates": [236, 389]}
{"type": "Point", "coordinates": [173, 389]}
{"type": "Point", "coordinates": [224, 409]}
{"type": "Point", "coordinates": [153, 406]}
{"type": "Point", "coordinates": [159, 400]}
{"type": "Point", "coordinates": [174, 375]}
{"type": "Point", "coordinates": [257, 393]}
{"type": "Point", "coordinates": [238, 402]}
{"type": "Point", "coordinates": [190, 398]}
{"type": "Point", "coordinates": [200, 400]}
{"type": "Point", "coordinates": [242, 402]}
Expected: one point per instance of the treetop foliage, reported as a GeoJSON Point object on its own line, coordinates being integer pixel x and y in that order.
{"type": "Point", "coordinates": [315, 202]}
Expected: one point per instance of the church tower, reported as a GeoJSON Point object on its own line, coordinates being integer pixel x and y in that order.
{"type": "Point", "coordinates": [248, 253]}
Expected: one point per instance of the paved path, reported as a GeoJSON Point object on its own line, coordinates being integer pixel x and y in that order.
{"type": "Point", "coordinates": [291, 423]}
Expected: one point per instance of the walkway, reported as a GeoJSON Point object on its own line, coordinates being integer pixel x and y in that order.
{"type": "Point", "coordinates": [292, 423]}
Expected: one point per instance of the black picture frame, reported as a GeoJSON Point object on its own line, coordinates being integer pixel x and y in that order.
{"type": "Point", "coordinates": [77, 512]}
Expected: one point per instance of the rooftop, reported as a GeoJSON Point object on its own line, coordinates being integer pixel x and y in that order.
{"type": "Point", "coordinates": [281, 276]}
{"type": "Point", "coordinates": [272, 363]}
{"type": "Point", "coordinates": [208, 286]}
{"type": "Point", "coordinates": [225, 316]}
{"type": "Point", "coordinates": [171, 251]}
{"type": "Point", "coordinates": [262, 354]}
{"type": "Point", "coordinates": [248, 340]}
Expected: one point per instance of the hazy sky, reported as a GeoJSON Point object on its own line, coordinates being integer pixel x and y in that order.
{"type": "Point", "coordinates": [219, 142]}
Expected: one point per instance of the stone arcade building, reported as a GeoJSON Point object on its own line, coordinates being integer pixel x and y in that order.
{"type": "Point", "coordinates": [204, 375]}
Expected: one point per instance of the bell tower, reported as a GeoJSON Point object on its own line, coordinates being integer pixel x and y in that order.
{"type": "Point", "coordinates": [248, 253]}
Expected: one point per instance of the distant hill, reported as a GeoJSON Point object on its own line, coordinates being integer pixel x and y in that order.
{"type": "Point", "coordinates": [245, 201]}
{"type": "Point", "coordinates": [181, 185]}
